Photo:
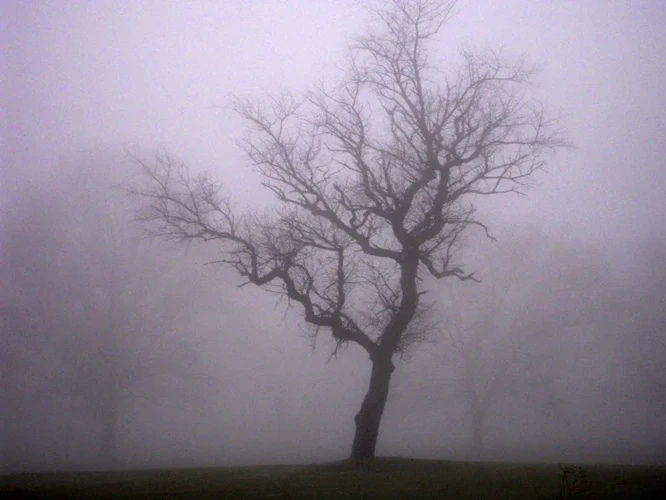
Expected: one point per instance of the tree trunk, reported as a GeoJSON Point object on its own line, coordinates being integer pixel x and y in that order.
{"type": "Point", "coordinates": [369, 416]}
{"type": "Point", "coordinates": [12, 457]}
{"type": "Point", "coordinates": [109, 446]}
{"type": "Point", "coordinates": [477, 433]}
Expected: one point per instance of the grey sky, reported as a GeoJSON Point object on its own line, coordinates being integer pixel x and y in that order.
{"type": "Point", "coordinates": [145, 74]}
{"type": "Point", "coordinates": [138, 75]}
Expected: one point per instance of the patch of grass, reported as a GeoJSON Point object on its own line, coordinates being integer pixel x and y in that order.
{"type": "Point", "coordinates": [386, 478]}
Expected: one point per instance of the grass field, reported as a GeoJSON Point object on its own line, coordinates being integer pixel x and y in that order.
{"type": "Point", "coordinates": [388, 478]}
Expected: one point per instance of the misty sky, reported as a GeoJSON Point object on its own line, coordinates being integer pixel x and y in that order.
{"type": "Point", "coordinates": [133, 76]}
{"type": "Point", "coordinates": [141, 75]}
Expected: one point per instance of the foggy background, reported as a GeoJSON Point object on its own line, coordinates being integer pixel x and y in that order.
{"type": "Point", "coordinates": [122, 352]}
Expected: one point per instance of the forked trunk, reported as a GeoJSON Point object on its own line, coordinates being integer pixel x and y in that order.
{"type": "Point", "coordinates": [369, 416]}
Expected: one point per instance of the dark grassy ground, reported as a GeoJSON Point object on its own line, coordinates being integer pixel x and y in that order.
{"type": "Point", "coordinates": [393, 478]}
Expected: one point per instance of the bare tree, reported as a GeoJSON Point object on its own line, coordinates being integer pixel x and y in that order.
{"type": "Point", "coordinates": [529, 332]}
{"type": "Point", "coordinates": [121, 338]}
{"type": "Point", "coordinates": [492, 352]}
{"type": "Point", "coordinates": [80, 290]}
{"type": "Point", "coordinates": [375, 179]}
{"type": "Point", "coordinates": [482, 358]}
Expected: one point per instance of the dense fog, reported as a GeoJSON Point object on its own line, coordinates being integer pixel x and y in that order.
{"type": "Point", "coordinates": [122, 351]}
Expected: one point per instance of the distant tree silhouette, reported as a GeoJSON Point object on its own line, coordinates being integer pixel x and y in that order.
{"type": "Point", "coordinates": [79, 285]}
{"type": "Point", "coordinates": [514, 340]}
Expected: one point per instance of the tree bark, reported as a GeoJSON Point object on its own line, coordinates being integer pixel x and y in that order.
{"type": "Point", "coordinates": [369, 416]}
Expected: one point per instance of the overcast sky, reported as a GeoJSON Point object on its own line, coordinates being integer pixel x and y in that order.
{"type": "Point", "coordinates": [139, 75]}
{"type": "Point", "coordinates": [132, 76]}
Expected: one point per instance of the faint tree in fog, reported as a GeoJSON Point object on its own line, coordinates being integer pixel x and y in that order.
{"type": "Point", "coordinates": [483, 358]}
{"type": "Point", "coordinates": [110, 312]}
{"type": "Point", "coordinates": [485, 337]}
{"type": "Point", "coordinates": [648, 314]}
{"type": "Point", "coordinates": [16, 376]}
{"type": "Point", "coordinates": [123, 342]}
{"type": "Point", "coordinates": [636, 380]}
{"type": "Point", "coordinates": [24, 305]}
{"type": "Point", "coordinates": [376, 179]}
{"type": "Point", "coordinates": [514, 339]}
